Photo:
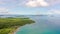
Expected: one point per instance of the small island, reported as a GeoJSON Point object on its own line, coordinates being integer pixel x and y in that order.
{"type": "Point", "coordinates": [10, 25]}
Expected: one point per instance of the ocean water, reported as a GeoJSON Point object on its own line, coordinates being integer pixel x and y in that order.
{"type": "Point", "coordinates": [43, 25]}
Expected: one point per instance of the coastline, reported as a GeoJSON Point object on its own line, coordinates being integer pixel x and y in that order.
{"type": "Point", "coordinates": [16, 30]}
{"type": "Point", "coordinates": [10, 25]}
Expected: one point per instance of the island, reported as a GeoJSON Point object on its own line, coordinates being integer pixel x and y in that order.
{"type": "Point", "coordinates": [10, 25]}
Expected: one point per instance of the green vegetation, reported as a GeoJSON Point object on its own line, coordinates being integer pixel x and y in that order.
{"type": "Point", "coordinates": [8, 25]}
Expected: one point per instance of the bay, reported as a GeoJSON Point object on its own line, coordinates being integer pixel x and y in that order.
{"type": "Point", "coordinates": [43, 25]}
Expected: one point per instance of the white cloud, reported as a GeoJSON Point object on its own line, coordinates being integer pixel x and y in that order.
{"type": "Point", "coordinates": [2, 2]}
{"type": "Point", "coordinates": [36, 3]}
{"type": "Point", "coordinates": [53, 2]}
{"type": "Point", "coordinates": [3, 10]}
{"type": "Point", "coordinates": [54, 12]}
{"type": "Point", "coordinates": [27, 13]}
{"type": "Point", "coordinates": [6, 12]}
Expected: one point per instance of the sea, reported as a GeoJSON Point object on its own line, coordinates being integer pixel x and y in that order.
{"type": "Point", "coordinates": [44, 24]}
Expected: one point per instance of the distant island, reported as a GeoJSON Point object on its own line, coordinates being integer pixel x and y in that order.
{"type": "Point", "coordinates": [10, 25]}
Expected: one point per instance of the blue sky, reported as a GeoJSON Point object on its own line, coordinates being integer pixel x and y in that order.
{"type": "Point", "coordinates": [29, 7]}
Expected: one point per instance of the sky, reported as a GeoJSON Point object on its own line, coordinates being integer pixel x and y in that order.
{"type": "Point", "coordinates": [29, 7]}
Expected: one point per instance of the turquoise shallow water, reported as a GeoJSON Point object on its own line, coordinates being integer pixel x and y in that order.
{"type": "Point", "coordinates": [43, 25]}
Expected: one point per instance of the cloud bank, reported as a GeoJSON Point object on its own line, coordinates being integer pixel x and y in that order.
{"type": "Point", "coordinates": [6, 11]}
{"type": "Point", "coordinates": [30, 3]}
{"type": "Point", "coordinates": [53, 11]}
{"type": "Point", "coordinates": [36, 3]}
{"type": "Point", "coordinates": [27, 3]}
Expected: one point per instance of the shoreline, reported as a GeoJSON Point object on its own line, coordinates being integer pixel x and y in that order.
{"type": "Point", "coordinates": [12, 25]}
{"type": "Point", "coordinates": [16, 30]}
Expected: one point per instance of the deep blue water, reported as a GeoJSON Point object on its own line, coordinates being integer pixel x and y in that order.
{"type": "Point", "coordinates": [44, 25]}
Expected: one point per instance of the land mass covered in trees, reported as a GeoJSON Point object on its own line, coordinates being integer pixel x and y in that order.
{"type": "Point", "coordinates": [9, 25]}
